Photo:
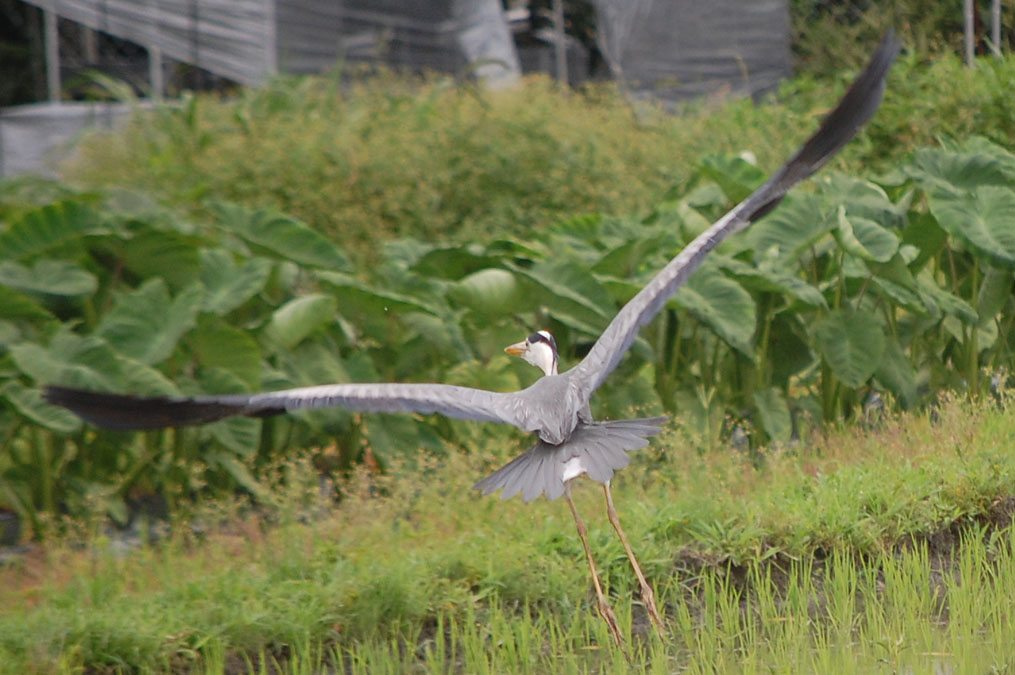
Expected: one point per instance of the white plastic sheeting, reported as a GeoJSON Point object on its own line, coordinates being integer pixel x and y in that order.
{"type": "Point", "coordinates": [676, 50]}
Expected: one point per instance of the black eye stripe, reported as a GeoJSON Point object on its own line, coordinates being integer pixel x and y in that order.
{"type": "Point", "coordinates": [535, 337]}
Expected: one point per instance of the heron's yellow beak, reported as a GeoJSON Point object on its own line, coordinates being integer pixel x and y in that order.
{"type": "Point", "coordinates": [517, 348]}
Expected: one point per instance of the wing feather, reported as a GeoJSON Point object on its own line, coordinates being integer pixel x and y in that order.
{"type": "Point", "coordinates": [127, 412]}
{"type": "Point", "coordinates": [855, 109]}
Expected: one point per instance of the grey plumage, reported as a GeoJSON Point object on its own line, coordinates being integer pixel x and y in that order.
{"type": "Point", "coordinates": [602, 447]}
{"type": "Point", "coordinates": [556, 407]}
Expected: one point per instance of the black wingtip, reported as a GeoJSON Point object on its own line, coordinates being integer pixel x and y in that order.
{"type": "Point", "coordinates": [855, 110]}
{"type": "Point", "coordinates": [125, 412]}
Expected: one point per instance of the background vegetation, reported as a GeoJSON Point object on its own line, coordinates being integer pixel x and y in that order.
{"type": "Point", "coordinates": [408, 229]}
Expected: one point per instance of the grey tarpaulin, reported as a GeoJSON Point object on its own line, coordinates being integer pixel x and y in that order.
{"type": "Point", "coordinates": [677, 50]}
{"type": "Point", "coordinates": [248, 40]}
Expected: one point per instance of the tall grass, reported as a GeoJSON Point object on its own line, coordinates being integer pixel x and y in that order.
{"type": "Point", "coordinates": [397, 156]}
{"type": "Point", "coordinates": [862, 550]}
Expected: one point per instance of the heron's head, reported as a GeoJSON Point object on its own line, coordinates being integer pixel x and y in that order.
{"type": "Point", "coordinates": [539, 349]}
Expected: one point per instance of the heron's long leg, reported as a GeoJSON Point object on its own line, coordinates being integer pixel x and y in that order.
{"type": "Point", "coordinates": [647, 596]}
{"type": "Point", "coordinates": [604, 607]}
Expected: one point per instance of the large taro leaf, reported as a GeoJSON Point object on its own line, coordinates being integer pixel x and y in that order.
{"type": "Point", "coordinates": [963, 169]}
{"type": "Point", "coordinates": [295, 320]}
{"type": "Point", "coordinates": [283, 236]}
{"type": "Point", "coordinates": [765, 278]}
{"type": "Point", "coordinates": [70, 360]}
{"type": "Point", "coordinates": [630, 256]}
{"type": "Point", "coordinates": [454, 262]}
{"type": "Point", "coordinates": [864, 238]}
{"type": "Point", "coordinates": [773, 411]}
{"type": "Point", "coordinates": [895, 280]}
{"type": "Point", "coordinates": [791, 229]}
{"type": "Point", "coordinates": [491, 293]}
{"type": "Point", "coordinates": [228, 284]}
{"type": "Point", "coordinates": [371, 308]}
{"type": "Point", "coordinates": [864, 199]}
{"type": "Point", "coordinates": [897, 374]}
{"type": "Point", "coordinates": [995, 293]}
{"type": "Point", "coordinates": [787, 351]}
{"type": "Point", "coordinates": [220, 345]}
{"type": "Point", "coordinates": [983, 219]}
{"type": "Point", "coordinates": [570, 294]}
{"type": "Point", "coordinates": [933, 295]}
{"type": "Point", "coordinates": [29, 403]}
{"type": "Point", "coordinates": [15, 305]}
{"type": "Point", "coordinates": [48, 277]}
{"type": "Point", "coordinates": [851, 343]}
{"type": "Point", "coordinates": [721, 304]}
{"type": "Point", "coordinates": [734, 175]}
{"type": "Point", "coordinates": [167, 255]}
{"type": "Point", "coordinates": [146, 325]}
{"type": "Point", "coordinates": [53, 224]}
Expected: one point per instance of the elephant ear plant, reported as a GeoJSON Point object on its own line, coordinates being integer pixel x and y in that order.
{"type": "Point", "coordinates": [892, 287]}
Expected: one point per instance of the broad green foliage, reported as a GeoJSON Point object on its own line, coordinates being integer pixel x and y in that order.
{"type": "Point", "coordinates": [899, 287]}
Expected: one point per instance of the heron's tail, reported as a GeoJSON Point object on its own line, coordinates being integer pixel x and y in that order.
{"type": "Point", "coordinates": [600, 447]}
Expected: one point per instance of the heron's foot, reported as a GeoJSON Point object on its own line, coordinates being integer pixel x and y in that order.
{"type": "Point", "coordinates": [606, 612]}
{"type": "Point", "coordinates": [648, 597]}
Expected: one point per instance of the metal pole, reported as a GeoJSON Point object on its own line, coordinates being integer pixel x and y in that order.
{"type": "Point", "coordinates": [52, 40]}
{"type": "Point", "coordinates": [995, 27]}
{"type": "Point", "coordinates": [560, 46]}
{"type": "Point", "coordinates": [155, 71]}
{"type": "Point", "coordinates": [967, 26]}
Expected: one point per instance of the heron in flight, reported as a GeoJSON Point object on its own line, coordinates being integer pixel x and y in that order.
{"type": "Point", "coordinates": [569, 442]}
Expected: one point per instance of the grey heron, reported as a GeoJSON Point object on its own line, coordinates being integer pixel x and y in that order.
{"type": "Point", "coordinates": [569, 442]}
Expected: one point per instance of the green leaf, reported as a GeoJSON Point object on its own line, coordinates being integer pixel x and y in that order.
{"type": "Point", "coordinates": [146, 325]}
{"type": "Point", "coordinates": [938, 170]}
{"type": "Point", "coordinates": [454, 262]}
{"type": "Point", "coordinates": [29, 403]}
{"type": "Point", "coordinates": [570, 293]}
{"type": "Point", "coordinates": [934, 296]}
{"type": "Point", "coordinates": [219, 345]}
{"type": "Point", "coordinates": [283, 236]}
{"type": "Point", "coordinates": [983, 220]}
{"type": "Point", "coordinates": [298, 318]}
{"type": "Point", "coordinates": [863, 199]}
{"type": "Point", "coordinates": [852, 344]}
{"type": "Point", "coordinates": [897, 374]}
{"type": "Point", "coordinates": [995, 292]}
{"type": "Point", "coordinates": [372, 301]}
{"type": "Point", "coordinates": [53, 224]}
{"type": "Point", "coordinates": [491, 292]}
{"type": "Point", "coordinates": [723, 305]}
{"type": "Point", "coordinates": [70, 360]}
{"type": "Point", "coordinates": [864, 238]}
{"type": "Point", "coordinates": [768, 280]}
{"type": "Point", "coordinates": [238, 470]}
{"type": "Point", "coordinates": [169, 256]}
{"type": "Point", "coordinates": [227, 284]}
{"type": "Point", "coordinates": [14, 305]}
{"type": "Point", "coordinates": [735, 176]}
{"type": "Point", "coordinates": [49, 277]}
{"type": "Point", "coordinates": [791, 229]}
{"type": "Point", "coordinates": [774, 415]}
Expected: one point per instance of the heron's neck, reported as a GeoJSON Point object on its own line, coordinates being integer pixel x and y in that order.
{"type": "Point", "coordinates": [544, 357]}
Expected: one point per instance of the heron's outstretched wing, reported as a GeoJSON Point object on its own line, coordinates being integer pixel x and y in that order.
{"type": "Point", "coordinates": [854, 110]}
{"type": "Point", "coordinates": [126, 412]}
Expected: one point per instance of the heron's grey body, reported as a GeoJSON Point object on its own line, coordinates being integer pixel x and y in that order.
{"type": "Point", "coordinates": [556, 407]}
